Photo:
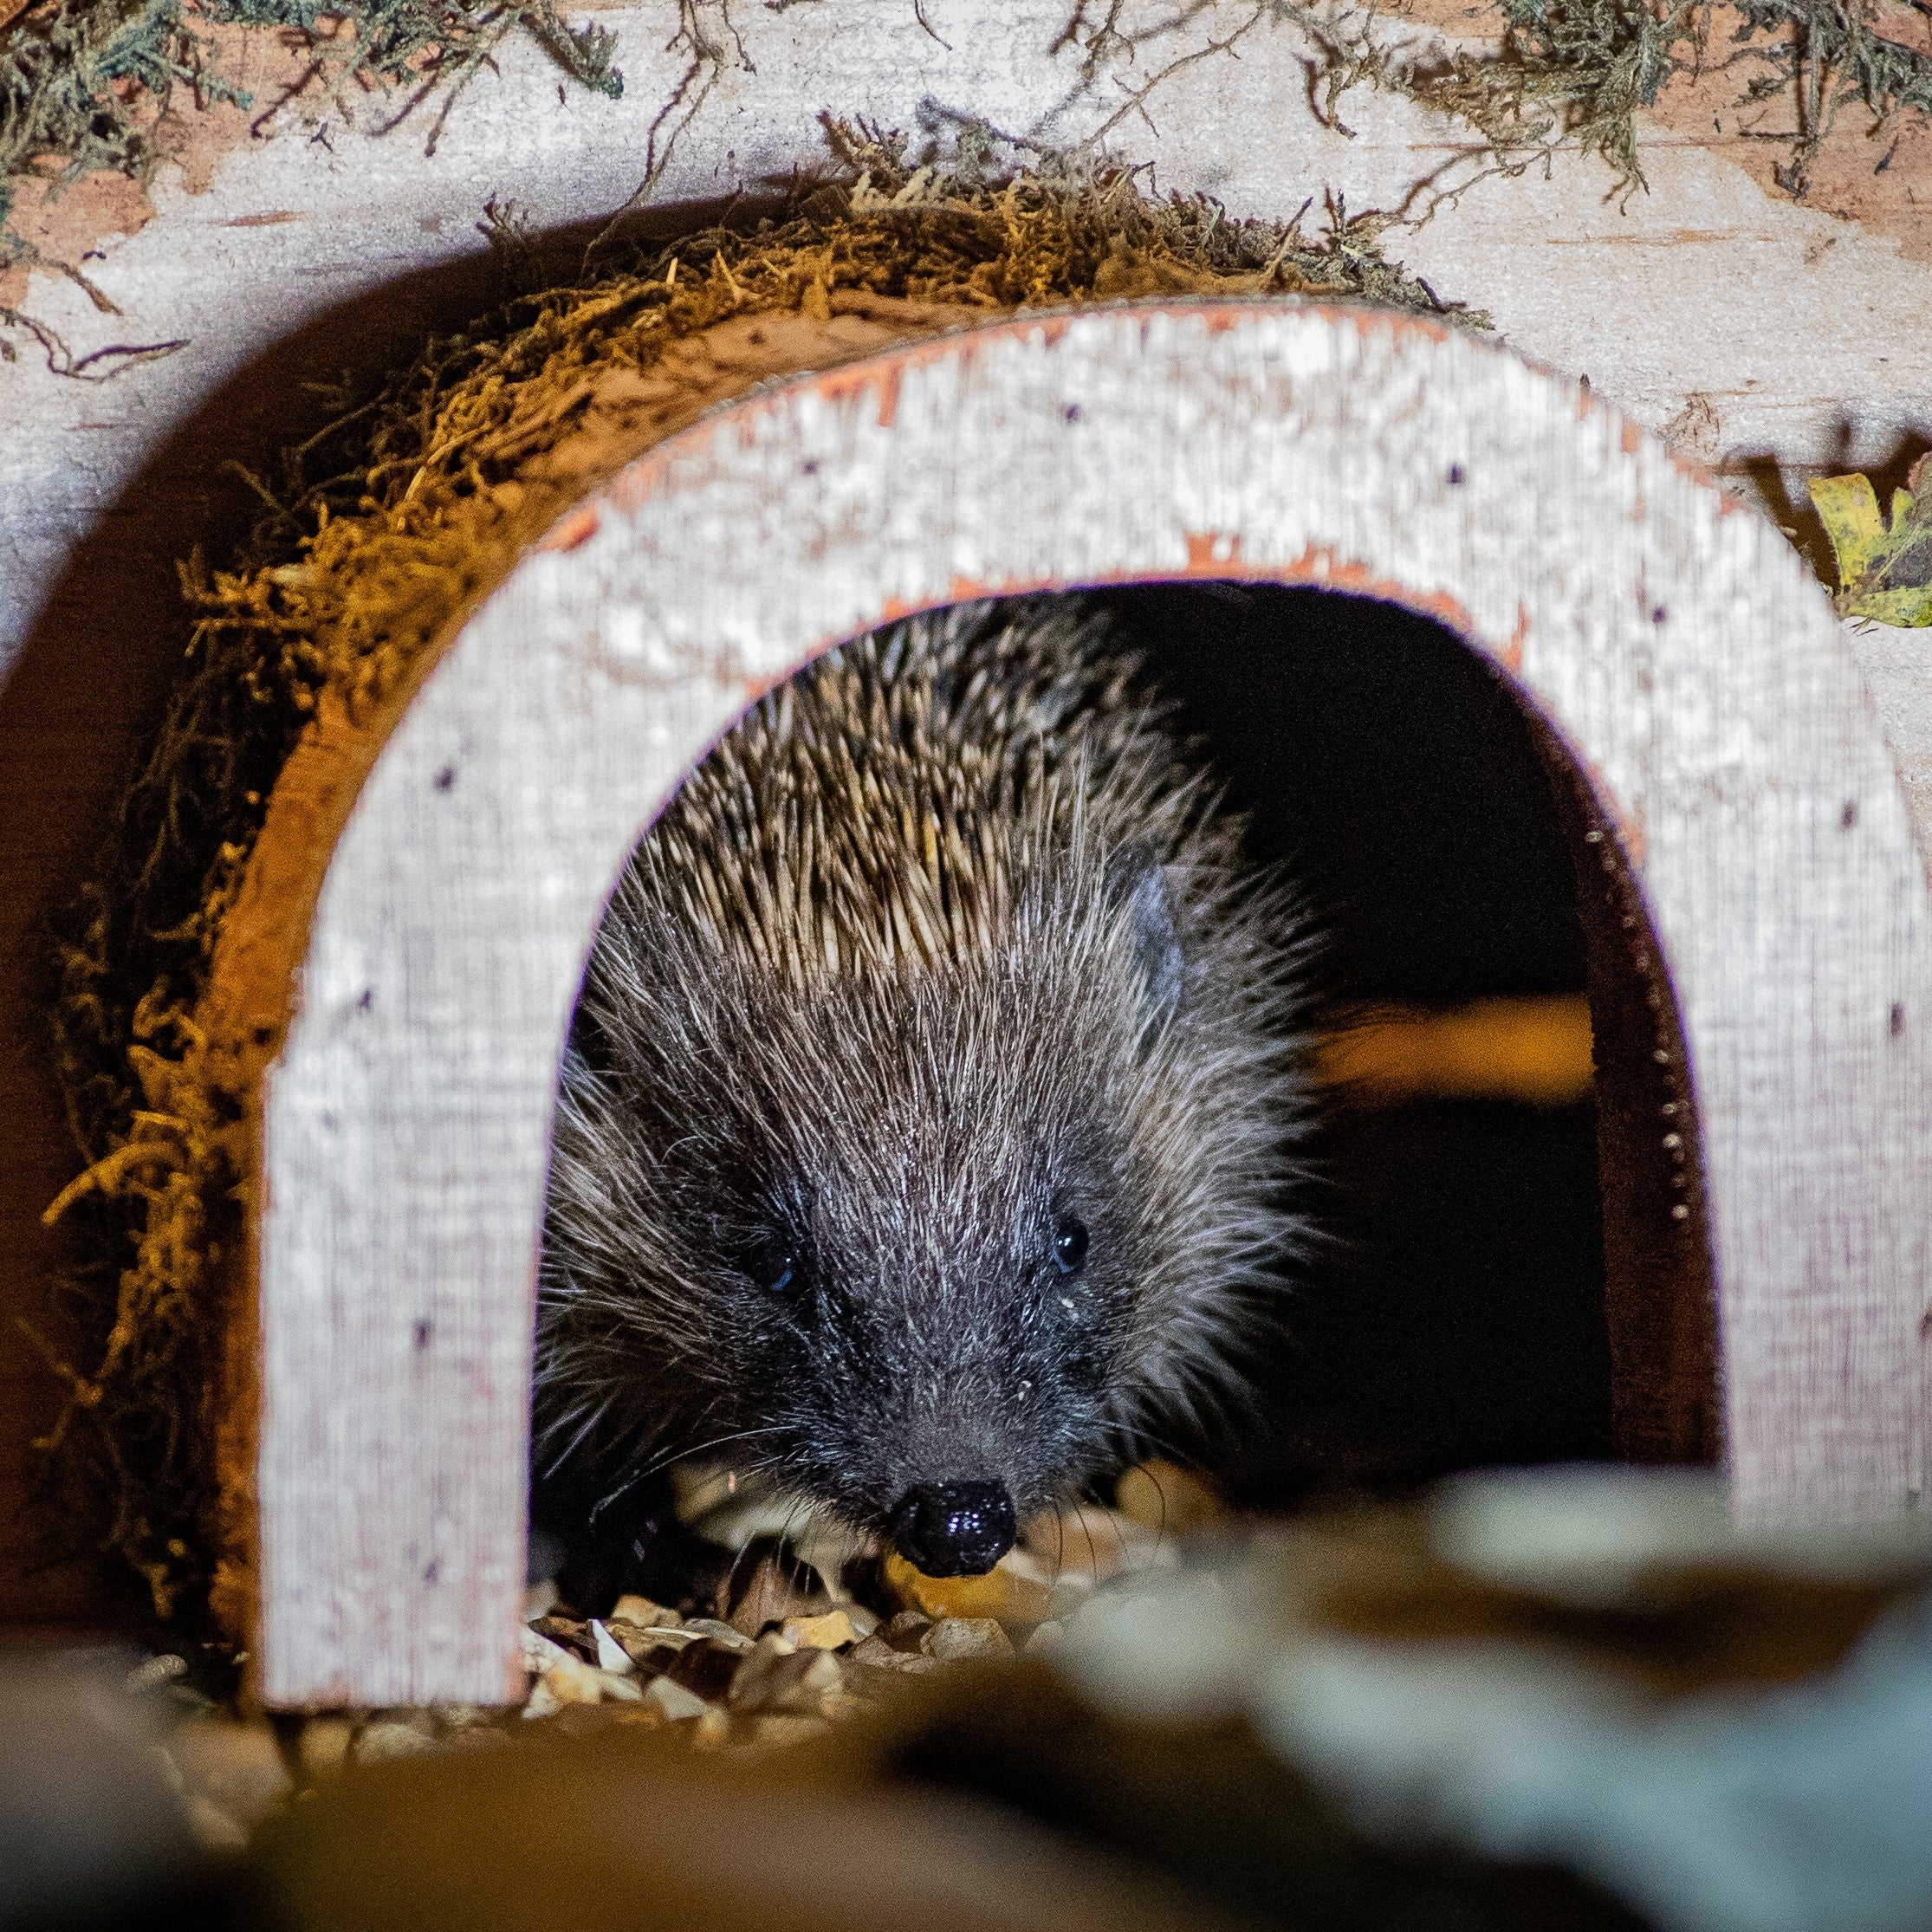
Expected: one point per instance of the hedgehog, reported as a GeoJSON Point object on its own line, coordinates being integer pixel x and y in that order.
{"type": "Point", "coordinates": [927, 1124]}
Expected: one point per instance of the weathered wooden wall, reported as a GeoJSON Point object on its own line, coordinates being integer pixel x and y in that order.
{"type": "Point", "coordinates": [1710, 307]}
{"type": "Point", "coordinates": [1764, 338]}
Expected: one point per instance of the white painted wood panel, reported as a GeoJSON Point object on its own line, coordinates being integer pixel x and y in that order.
{"type": "Point", "coordinates": [1679, 646]}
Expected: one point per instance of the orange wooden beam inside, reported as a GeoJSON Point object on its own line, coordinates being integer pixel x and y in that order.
{"type": "Point", "coordinates": [1534, 1051]}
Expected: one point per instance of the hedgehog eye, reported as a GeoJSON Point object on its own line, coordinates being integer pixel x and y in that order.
{"type": "Point", "coordinates": [773, 1266]}
{"type": "Point", "coordinates": [1070, 1245]}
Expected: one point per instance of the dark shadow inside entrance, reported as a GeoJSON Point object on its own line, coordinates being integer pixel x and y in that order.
{"type": "Point", "coordinates": [1455, 1313]}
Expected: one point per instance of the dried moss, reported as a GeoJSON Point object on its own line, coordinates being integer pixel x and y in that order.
{"type": "Point", "coordinates": [384, 527]}
{"type": "Point", "coordinates": [1574, 74]}
{"type": "Point", "coordinates": [1827, 58]}
{"type": "Point", "coordinates": [87, 85]}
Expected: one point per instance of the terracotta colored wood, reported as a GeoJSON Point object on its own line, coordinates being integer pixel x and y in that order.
{"type": "Point", "coordinates": [1679, 650]}
{"type": "Point", "coordinates": [1660, 1298]}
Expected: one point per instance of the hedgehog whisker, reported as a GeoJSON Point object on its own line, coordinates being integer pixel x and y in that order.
{"type": "Point", "coordinates": [1092, 1549]}
{"type": "Point", "coordinates": [708, 1448]}
{"type": "Point", "coordinates": [591, 1420]}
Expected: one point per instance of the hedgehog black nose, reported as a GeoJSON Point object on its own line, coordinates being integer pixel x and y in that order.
{"type": "Point", "coordinates": [954, 1529]}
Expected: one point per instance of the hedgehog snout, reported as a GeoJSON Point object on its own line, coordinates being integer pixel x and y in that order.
{"type": "Point", "coordinates": [954, 1529]}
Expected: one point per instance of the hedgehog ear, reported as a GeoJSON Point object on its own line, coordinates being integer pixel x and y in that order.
{"type": "Point", "coordinates": [1142, 888]}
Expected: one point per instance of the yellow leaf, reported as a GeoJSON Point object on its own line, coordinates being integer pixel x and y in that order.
{"type": "Point", "coordinates": [1848, 506]}
{"type": "Point", "coordinates": [1884, 574]}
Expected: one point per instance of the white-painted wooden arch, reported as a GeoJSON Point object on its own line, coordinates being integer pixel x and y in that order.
{"type": "Point", "coordinates": [1678, 646]}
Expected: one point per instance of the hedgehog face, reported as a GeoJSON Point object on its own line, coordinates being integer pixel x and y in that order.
{"type": "Point", "coordinates": [908, 1250]}
{"type": "Point", "coordinates": [931, 1320]}
{"type": "Point", "coordinates": [912, 1218]}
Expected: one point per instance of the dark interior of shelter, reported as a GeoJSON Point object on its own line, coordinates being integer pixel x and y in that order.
{"type": "Point", "coordinates": [1452, 1316]}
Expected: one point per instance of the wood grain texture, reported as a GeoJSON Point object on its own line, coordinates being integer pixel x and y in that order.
{"type": "Point", "coordinates": [78, 712]}
{"type": "Point", "coordinates": [1758, 332]}
{"type": "Point", "coordinates": [1763, 337]}
{"type": "Point", "coordinates": [1677, 647]}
